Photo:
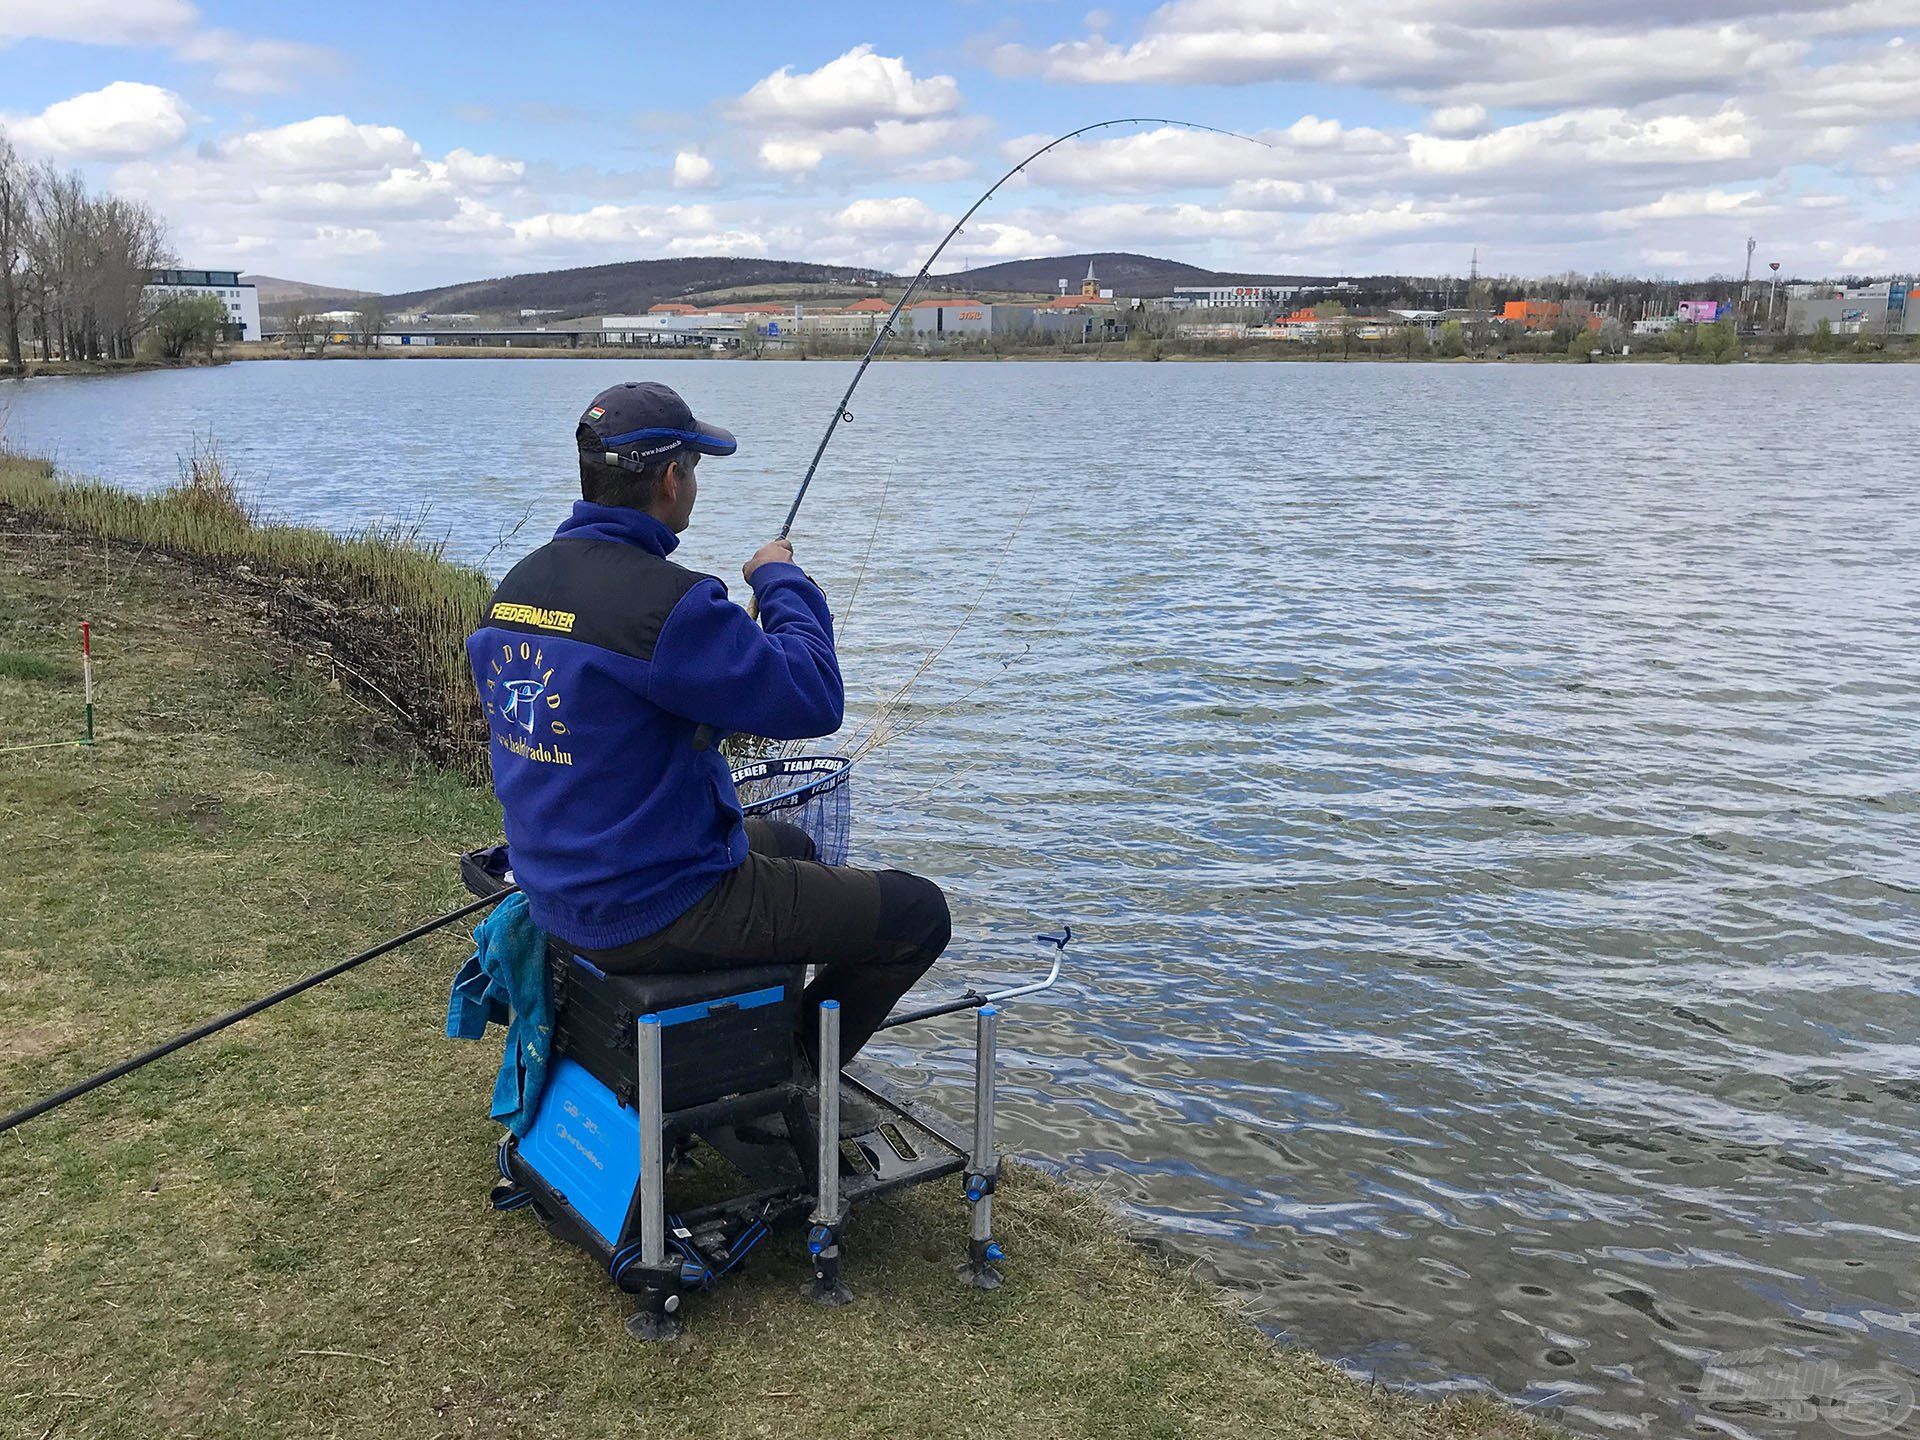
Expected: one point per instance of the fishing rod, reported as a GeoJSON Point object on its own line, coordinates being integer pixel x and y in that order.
{"type": "Point", "coordinates": [841, 414]}
{"type": "Point", "coordinates": [214, 1026]}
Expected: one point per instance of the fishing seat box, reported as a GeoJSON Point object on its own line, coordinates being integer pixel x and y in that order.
{"type": "Point", "coordinates": [722, 1032]}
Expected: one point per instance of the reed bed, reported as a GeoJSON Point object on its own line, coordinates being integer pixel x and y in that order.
{"type": "Point", "coordinates": [389, 611]}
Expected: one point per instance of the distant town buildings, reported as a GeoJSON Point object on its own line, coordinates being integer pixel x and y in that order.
{"type": "Point", "coordinates": [242, 300]}
{"type": "Point", "coordinates": [1336, 312]}
{"type": "Point", "coordinates": [1888, 308]}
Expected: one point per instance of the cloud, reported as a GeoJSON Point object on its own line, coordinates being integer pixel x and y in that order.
{"type": "Point", "coordinates": [1470, 52]}
{"type": "Point", "coordinates": [348, 240]}
{"type": "Point", "coordinates": [330, 145]}
{"type": "Point", "coordinates": [1457, 120]}
{"type": "Point", "coordinates": [691, 170]}
{"type": "Point", "coordinates": [858, 88]}
{"type": "Point", "coordinates": [671, 229]}
{"type": "Point", "coordinates": [864, 108]}
{"type": "Point", "coordinates": [1686, 205]}
{"type": "Point", "coordinates": [1890, 161]}
{"type": "Point", "coordinates": [241, 64]}
{"type": "Point", "coordinates": [1340, 229]}
{"type": "Point", "coordinates": [883, 145]}
{"type": "Point", "coordinates": [248, 66]}
{"type": "Point", "coordinates": [899, 215]}
{"type": "Point", "coordinates": [118, 121]}
{"type": "Point", "coordinates": [97, 22]}
{"type": "Point", "coordinates": [1862, 90]}
{"type": "Point", "coordinates": [483, 172]}
{"type": "Point", "coordinates": [1592, 137]}
{"type": "Point", "coordinates": [1168, 157]}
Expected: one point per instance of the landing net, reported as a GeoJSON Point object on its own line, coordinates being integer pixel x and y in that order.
{"type": "Point", "coordinates": [810, 791]}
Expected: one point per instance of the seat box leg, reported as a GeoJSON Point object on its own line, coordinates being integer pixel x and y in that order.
{"type": "Point", "coordinates": [658, 1317]}
{"type": "Point", "coordinates": [829, 1216]}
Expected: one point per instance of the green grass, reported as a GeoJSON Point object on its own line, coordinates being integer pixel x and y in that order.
{"type": "Point", "coordinates": [18, 665]}
{"type": "Point", "coordinates": [282, 1231]}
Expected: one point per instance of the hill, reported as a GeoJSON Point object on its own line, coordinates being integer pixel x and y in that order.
{"type": "Point", "coordinates": [630, 286]}
{"type": "Point", "coordinates": [275, 291]}
{"type": "Point", "coordinates": [1120, 271]}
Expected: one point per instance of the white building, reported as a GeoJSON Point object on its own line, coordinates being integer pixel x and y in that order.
{"type": "Point", "coordinates": [242, 300]}
{"type": "Point", "coordinates": [1245, 297]}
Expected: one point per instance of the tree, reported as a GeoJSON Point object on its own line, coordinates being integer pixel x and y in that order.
{"type": "Point", "coordinates": [1718, 341]}
{"type": "Point", "coordinates": [370, 318]}
{"type": "Point", "coordinates": [1453, 340]}
{"type": "Point", "coordinates": [13, 236]}
{"type": "Point", "coordinates": [303, 326]}
{"type": "Point", "coordinates": [1822, 340]}
{"type": "Point", "coordinates": [81, 265]}
{"type": "Point", "coordinates": [184, 322]}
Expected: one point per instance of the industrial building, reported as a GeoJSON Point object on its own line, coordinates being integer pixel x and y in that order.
{"type": "Point", "coordinates": [242, 300]}
{"type": "Point", "coordinates": [1231, 297]}
{"type": "Point", "coordinates": [1889, 308]}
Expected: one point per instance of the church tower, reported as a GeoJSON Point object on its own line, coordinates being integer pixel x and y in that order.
{"type": "Point", "coordinates": [1090, 287]}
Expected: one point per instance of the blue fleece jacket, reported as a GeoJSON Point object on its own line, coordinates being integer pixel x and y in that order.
{"type": "Point", "coordinates": [609, 674]}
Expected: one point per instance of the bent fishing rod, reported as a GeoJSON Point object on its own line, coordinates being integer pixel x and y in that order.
{"type": "Point", "coordinates": [234, 1017]}
{"type": "Point", "coordinates": [841, 414]}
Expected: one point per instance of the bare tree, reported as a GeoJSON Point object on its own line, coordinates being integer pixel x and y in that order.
{"type": "Point", "coordinates": [13, 239]}
{"type": "Point", "coordinates": [84, 265]}
{"type": "Point", "coordinates": [302, 326]}
{"type": "Point", "coordinates": [371, 318]}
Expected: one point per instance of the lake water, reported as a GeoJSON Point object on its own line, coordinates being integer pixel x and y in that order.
{"type": "Point", "coordinates": [1487, 801]}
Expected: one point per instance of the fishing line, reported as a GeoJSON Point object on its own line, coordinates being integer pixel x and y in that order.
{"type": "Point", "coordinates": [841, 414]}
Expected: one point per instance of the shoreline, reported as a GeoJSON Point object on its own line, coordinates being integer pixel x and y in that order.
{"type": "Point", "coordinates": [281, 807]}
{"type": "Point", "coordinates": [1111, 355]}
{"type": "Point", "coordinates": [37, 369]}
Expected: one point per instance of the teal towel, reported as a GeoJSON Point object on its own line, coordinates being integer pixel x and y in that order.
{"type": "Point", "coordinates": [504, 982]}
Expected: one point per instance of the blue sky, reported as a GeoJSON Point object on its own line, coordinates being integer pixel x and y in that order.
{"type": "Point", "coordinates": [389, 146]}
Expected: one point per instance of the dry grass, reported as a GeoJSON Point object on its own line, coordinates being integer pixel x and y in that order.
{"type": "Point", "coordinates": [391, 612]}
{"type": "Point", "coordinates": [282, 1231]}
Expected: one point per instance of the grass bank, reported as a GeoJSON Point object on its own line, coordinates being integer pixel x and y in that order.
{"type": "Point", "coordinates": [385, 615]}
{"type": "Point", "coordinates": [282, 1230]}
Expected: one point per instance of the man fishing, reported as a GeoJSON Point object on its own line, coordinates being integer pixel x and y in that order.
{"type": "Point", "coordinates": [609, 675]}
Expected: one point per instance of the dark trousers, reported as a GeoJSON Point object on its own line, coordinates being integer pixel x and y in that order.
{"type": "Point", "coordinates": [872, 932]}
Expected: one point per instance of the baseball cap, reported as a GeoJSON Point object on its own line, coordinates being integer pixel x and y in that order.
{"type": "Point", "coordinates": [640, 421]}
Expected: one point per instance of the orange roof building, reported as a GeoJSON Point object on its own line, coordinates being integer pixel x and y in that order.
{"type": "Point", "coordinates": [1532, 314]}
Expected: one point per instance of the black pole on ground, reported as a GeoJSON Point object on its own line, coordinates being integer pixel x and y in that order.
{"type": "Point", "coordinates": [210, 1027]}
